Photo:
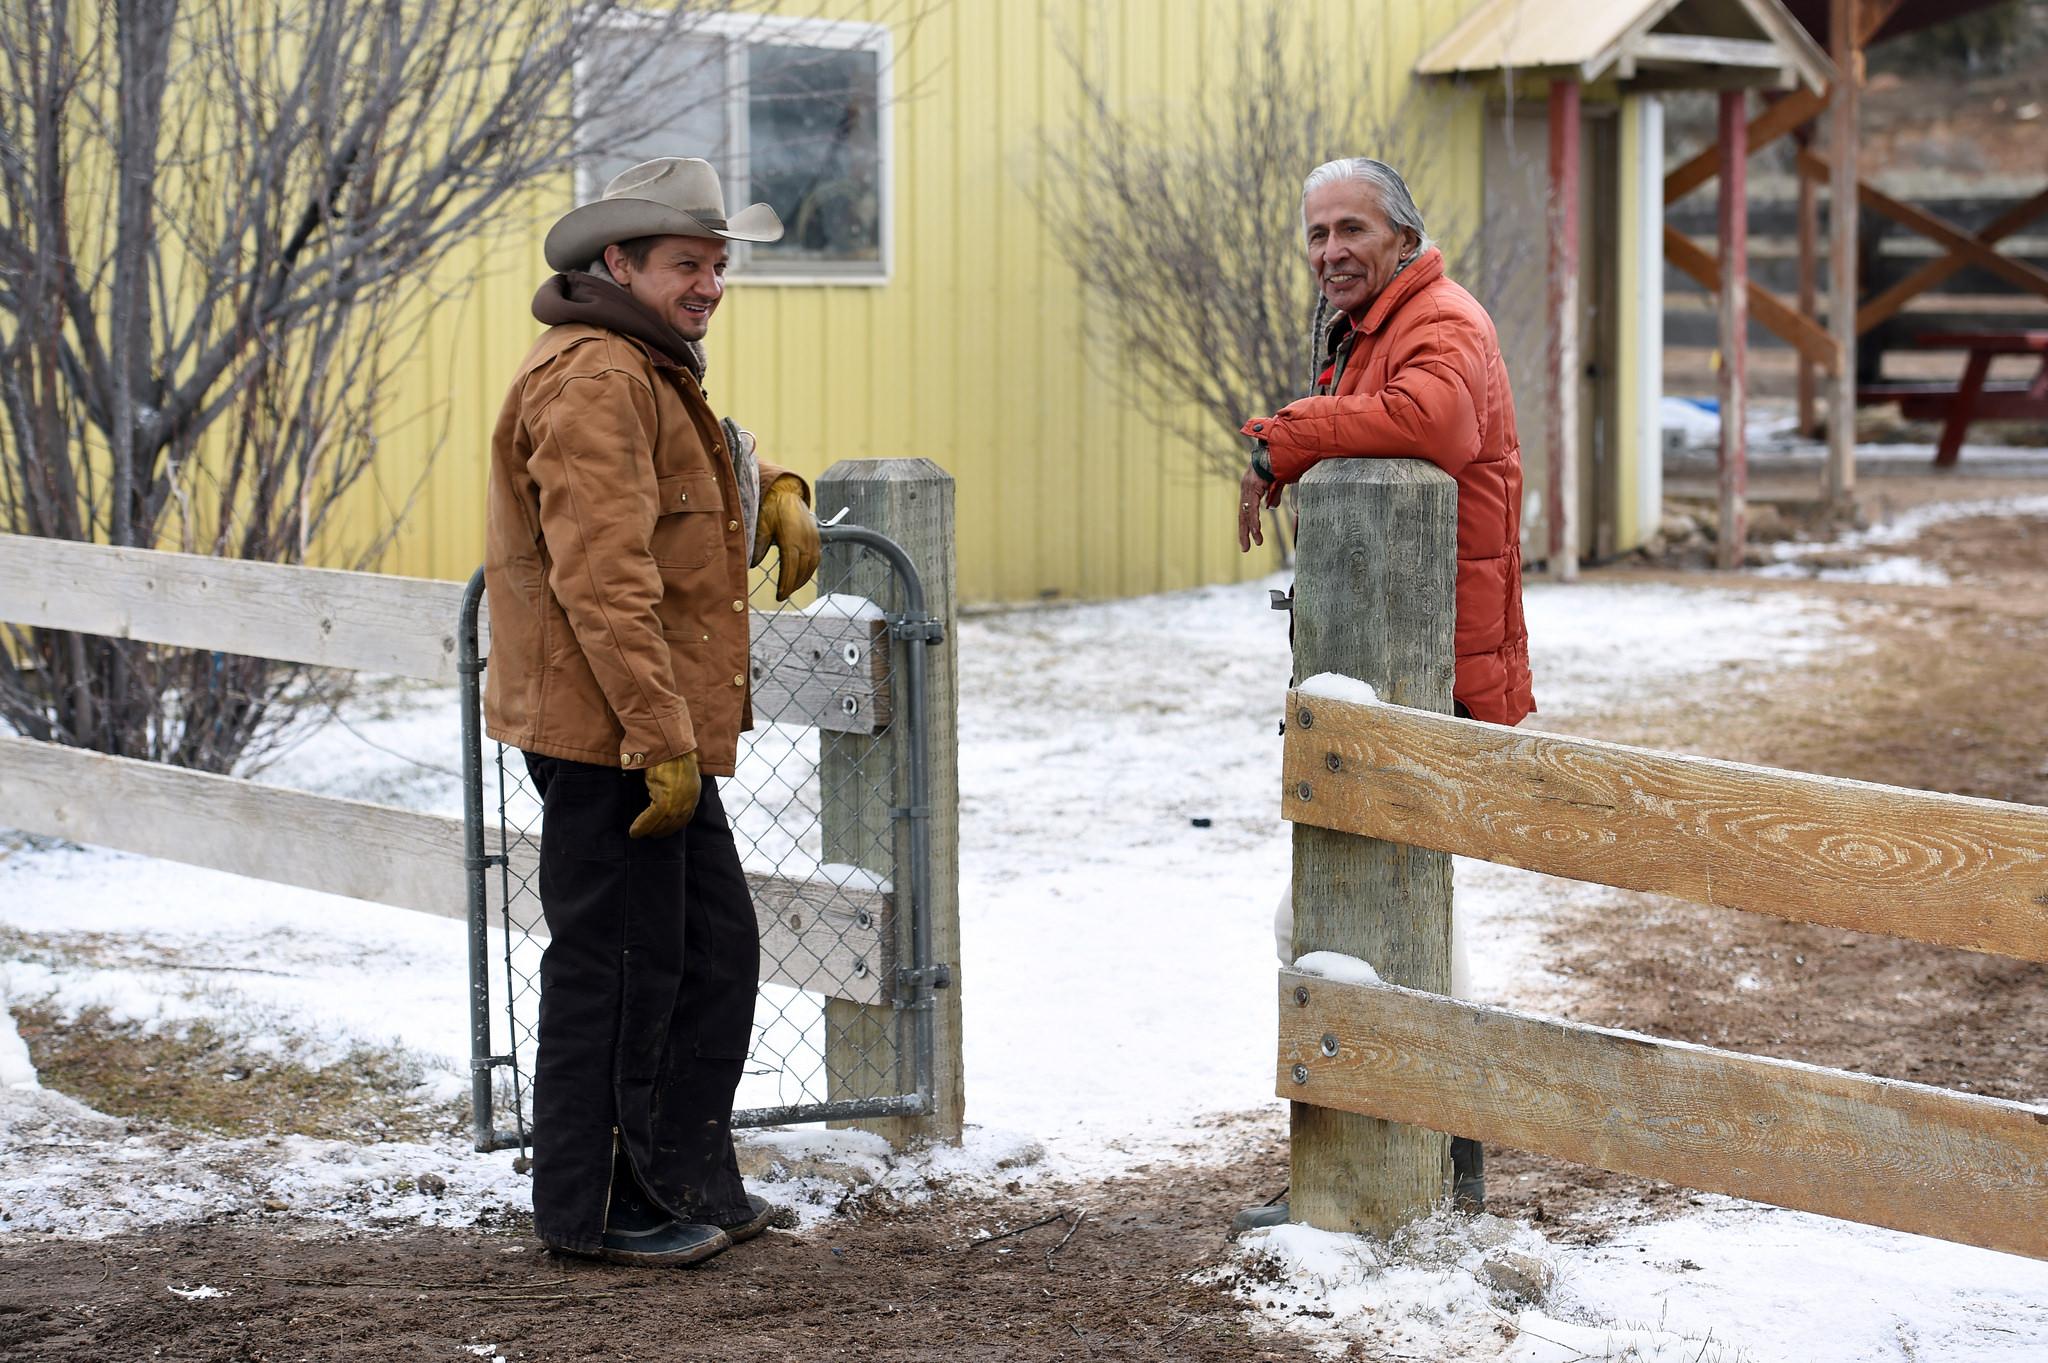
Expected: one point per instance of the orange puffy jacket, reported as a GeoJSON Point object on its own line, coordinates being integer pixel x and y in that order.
{"type": "Point", "coordinates": [1424, 379]}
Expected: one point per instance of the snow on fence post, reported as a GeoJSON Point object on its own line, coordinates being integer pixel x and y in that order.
{"type": "Point", "coordinates": [1375, 587]}
{"type": "Point", "coordinates": [910, 501]}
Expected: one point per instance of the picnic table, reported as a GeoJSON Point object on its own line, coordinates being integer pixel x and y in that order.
{"type": "Point", "coordinates": [1956, 407]}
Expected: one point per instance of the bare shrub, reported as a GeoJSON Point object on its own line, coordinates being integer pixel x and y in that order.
{"type": "Point", "coordinates": [1184, 224]}
{"type": "Point", "coordinates": [219, 243]}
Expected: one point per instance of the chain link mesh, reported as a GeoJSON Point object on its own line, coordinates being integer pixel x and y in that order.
{"type": "Point", "coordinates": [813, 805]}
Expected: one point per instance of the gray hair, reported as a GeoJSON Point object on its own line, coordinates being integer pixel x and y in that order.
{"type": "Point", "coordinates": [1395, 200]}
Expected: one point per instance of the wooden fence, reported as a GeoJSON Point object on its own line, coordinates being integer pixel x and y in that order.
{"type": "Point", "coordinates": [1398, 787]}
{"type": "Point", "coordinates": [810, 931]}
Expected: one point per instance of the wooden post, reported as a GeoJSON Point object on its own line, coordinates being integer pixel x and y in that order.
{"type": "Point", "coordinates": [1733, 193]}
{"type": "Point", "coordinates": [1564, 330]}
{"type": "Point", "coordinates": [1375, 592]}
{"type": "Point", "coordinates": [910, 501]}
{"type": "Point", "coordinates": [1809, 289]}
{"type": "Point", "coordinates": [1844, 45]}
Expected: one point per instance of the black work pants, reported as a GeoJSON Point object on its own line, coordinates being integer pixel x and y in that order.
{"type": "Point", "coordinates": [646, 1004]}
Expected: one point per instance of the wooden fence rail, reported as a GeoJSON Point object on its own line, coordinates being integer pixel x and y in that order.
{"type": "Point", "coordinates": [826, 671]}
{"type": "Point", "coordinates": [1879, 1151]}
{"type": "Point", "coordinates": [812, 932]}
{"type": "Point", "coordinates": [1934, 868]}
{"type": "Point", "coordinates": [823, 670]}
{"type": "Point", "coordinates": [1945, 869]}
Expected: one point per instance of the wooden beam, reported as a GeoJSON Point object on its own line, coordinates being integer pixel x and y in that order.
{"type": "Point", "coordinates": [1780, 118]}
{"type": "Point", "coordinates": [1960, 241]}
{"type": "Point", "coordinates": [1878, 1151]}
{"type": "Point", "coordinates": [869, 1050]}
{"type": "Point", "coordinates": [1809, 293]}
{"type": "Point", "coordinates": [1733, 222]}
{"type": "Point", "coordinates": [1876, 14]}
{"type": "Point", "coordinates": [813, 932]}
{"type": "Point", "coordinates": [1375, 587]}
{"type": "Point", "coordinates": [1690, 50]}
{"type": "Point", "coordinates": [362, 622]}
{"type": "Point", "coordinates": [1563, 300]}
{"type": "Point", "coordinates": [1934, 272]}
{"type": "Point", "coordinates": [1944, 869]}
{"type": "Point", "coordinates": [1783, 320]}
{"type": "Point", "coordinates": [823, 670]}
{"type": "Point", "coordinates": [1846, 48]}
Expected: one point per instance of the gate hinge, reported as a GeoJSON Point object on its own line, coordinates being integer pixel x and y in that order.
{"type": "Point", "coordinates": [479, 1063]}
{"type": "Point", "coordinates": [485, 862]}
{"type": "Point", "coordinates": [929, 629]}
{"type": "Point", "coordinates": [931, 977]}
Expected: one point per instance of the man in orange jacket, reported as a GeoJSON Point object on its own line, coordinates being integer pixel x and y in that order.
{"type": "Point", "coordinates": [1406, 365]}
{"type": "Point", "coordinates": [621, 527]}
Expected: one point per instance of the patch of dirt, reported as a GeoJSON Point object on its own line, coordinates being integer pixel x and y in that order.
{"type": "Point", "coordinates": [194, 1076]}
{"type": "Point", "coordinates": [905, 1284]}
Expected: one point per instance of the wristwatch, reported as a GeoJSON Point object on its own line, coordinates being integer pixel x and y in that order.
{"type": "Point", "coordinates": [1262, 460]}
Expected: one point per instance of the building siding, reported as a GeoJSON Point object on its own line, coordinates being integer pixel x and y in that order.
{"type": "Point", "coordinates": [976, 353]}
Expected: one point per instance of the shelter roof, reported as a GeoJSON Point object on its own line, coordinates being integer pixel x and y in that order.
{"type": "Point", "coordinates": [1670, 43]}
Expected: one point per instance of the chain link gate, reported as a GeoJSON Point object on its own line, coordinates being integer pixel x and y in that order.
{"type": "Point", "coordinates": [830, 810]}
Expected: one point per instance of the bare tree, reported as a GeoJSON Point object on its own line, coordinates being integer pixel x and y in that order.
{"type": "Point", "coordinates": [221, 228]}
{"type": "Point", "coordinates": [1184, 225]}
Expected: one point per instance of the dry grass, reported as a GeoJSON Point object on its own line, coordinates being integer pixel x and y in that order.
{"type": "Point", "coordinates": [202, 1074]}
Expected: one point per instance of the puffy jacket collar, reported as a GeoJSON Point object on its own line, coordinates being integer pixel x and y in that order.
{"type": "Point", "coordinates": [1425, 269]}
{"type": "Point", "coordinates": [597, 302]}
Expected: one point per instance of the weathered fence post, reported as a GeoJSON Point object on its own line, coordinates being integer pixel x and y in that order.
{"type": "Point", "coordinates": [1375, 589]}
{"type": "Point", "coordinates": [867, 1049]}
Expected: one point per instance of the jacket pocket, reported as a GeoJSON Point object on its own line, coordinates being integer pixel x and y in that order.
{"type": "Point", "coordinates": [686, 528]}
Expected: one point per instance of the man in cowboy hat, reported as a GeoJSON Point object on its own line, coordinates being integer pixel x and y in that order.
{"type": "Point", "coordinates": [623, 519]}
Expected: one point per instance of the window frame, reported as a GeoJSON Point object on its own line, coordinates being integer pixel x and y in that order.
{"type": "Point", "coordinates": [738, 31]}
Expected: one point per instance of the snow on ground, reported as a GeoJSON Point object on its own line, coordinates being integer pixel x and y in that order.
{"type": "Point", "coordinates": [1118, 985]}
{"type": "Point", "coordinates": [1825, 561]}
{"type": "Point", "coordinates": [1730, 1283]}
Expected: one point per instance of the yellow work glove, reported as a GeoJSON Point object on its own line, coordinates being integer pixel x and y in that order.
{"type": "Point", "coordinates": [672, 788]}
{"type": "Point", "coordinates": [787, 523]}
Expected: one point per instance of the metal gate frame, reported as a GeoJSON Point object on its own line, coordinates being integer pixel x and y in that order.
{"type": "Point", "coordinates": [914, 630]}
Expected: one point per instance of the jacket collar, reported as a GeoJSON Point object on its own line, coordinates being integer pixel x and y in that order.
{"type": "Point", "coordinates": [1424, 270]}
{"type": "Point", "coordinates": [597, 302]}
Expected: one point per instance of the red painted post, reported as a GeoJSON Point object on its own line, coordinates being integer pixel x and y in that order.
{"type": "Point", "coordinates": [1809, 287]}
{"type": "Point", "coordinates": [1564, 330]}
{"type": "Point", "coordinates": [1845, 18]}
{"type": "Point", "coordinates": [1734, 225]}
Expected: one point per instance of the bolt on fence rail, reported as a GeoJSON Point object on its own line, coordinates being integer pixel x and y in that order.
{"type": "Point", "coordinates": [831, 806]}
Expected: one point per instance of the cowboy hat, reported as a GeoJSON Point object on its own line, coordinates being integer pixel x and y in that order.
{"type": "Point", "coordinates": [670, 196]}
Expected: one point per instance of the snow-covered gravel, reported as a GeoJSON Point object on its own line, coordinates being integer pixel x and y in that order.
{"type": "Point", "coordinates": [1117, 982]}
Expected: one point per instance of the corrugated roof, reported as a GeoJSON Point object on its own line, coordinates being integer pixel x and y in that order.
{"type": "Point", "coordinates": [1595, 37]}
{"type": "Point", "coordinates": [1534, 33]}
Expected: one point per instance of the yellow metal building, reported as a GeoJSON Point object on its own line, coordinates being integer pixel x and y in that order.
{"type": "Point", "coordinates": [961, 337]}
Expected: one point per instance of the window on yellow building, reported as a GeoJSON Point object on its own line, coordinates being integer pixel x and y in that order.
{"type": "Point", "coordinates": [791, 111]}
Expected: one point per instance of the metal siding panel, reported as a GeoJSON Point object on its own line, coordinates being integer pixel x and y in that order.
{"type": "Point", "coordinates": [974, 354]}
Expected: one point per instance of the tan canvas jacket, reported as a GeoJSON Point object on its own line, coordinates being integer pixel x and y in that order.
{"type": "Point", "coordinates": [616, 560]}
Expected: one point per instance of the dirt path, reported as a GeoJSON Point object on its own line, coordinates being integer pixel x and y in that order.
{"type": "Point", "coordinates": [909, 1285]}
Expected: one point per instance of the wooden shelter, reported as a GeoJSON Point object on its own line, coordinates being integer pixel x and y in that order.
{"type": "Point", "coordinates": [1620, 46]}
{"type": "Point", "coordinates": [1806, 58]}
